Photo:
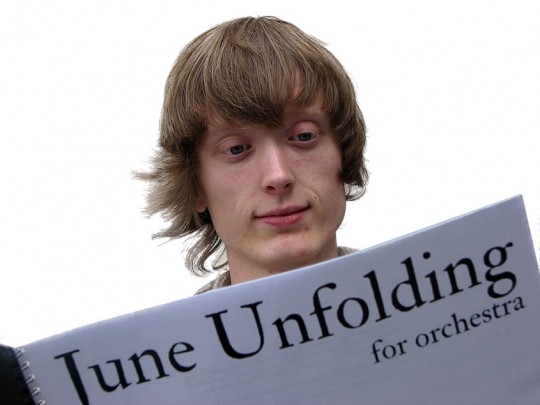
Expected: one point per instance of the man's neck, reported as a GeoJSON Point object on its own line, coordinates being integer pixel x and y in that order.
{"type": "Point", "coordinates": [242, 271]}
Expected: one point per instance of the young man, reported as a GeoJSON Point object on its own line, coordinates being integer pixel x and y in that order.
{"type": "Point", "coordinates": [261, 144]}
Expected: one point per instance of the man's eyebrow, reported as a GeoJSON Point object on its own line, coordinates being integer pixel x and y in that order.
{"type": "Point", "coordinates": [306, 114]}
{"type": "Point", "coordinates": [214, 134]}
{"type": "Point", "coordinates": [227, 129]}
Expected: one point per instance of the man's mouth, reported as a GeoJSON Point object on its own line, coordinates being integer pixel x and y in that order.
{"type": "Point", "coordinates": [283, 216]}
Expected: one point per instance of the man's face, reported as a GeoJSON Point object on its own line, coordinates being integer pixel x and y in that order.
{"type": "Point", "coordinates": [274, 194]}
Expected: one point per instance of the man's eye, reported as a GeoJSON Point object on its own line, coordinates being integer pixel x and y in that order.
{"type": "Point", "coordinates": [236, 149]}
{"type": "Point", "coordinates": [303, 137]}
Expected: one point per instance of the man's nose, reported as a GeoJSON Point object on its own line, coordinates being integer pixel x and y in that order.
{"type": "Point", "coordinates": [277, 171]}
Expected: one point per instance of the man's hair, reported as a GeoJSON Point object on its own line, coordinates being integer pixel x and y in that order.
{"type": "Point", "coordinates": [246, 71]}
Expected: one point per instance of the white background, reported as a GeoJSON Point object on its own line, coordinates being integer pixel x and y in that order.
{"type": "Point", "coordinates": [450, 92]}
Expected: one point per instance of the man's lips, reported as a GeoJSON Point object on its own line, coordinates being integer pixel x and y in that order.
{"type": "Point", "coordinates": [283, 216]}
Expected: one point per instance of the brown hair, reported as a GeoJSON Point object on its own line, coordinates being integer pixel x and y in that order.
{"type": "Point", "coordinates": [244, 71]}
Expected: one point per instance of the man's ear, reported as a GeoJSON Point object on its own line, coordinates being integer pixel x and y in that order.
{"type": "Point", "coordinates": [200, 203]}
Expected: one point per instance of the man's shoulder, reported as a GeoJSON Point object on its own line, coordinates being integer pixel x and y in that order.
{"type": "Point", "coordinates": [343, 251]}
{"type": "Point", "coordinates": [222, 280]}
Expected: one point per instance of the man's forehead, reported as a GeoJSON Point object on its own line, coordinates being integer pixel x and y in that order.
{"type": "Point", "coordinates": [291, 112]}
